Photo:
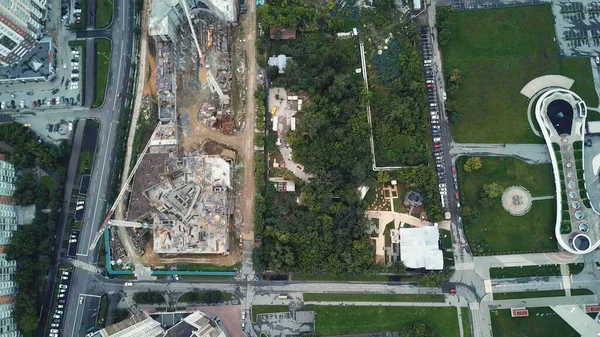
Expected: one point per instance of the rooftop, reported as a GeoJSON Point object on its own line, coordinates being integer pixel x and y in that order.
{"type": "Point", "coordinates": [419, 248]}
{"type": "Point", "coordinates": [35, 65]}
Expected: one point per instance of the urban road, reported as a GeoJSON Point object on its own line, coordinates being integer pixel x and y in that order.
{"type": "Point", "coordinates": [469, 284]}
{"type": "Point", "coordinates": [120, 32]}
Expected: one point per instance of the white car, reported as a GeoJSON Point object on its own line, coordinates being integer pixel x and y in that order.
{"type": "Point", "coordinates": [77, 10]}
{"type": "Point", "coordinates": [70, 126]}
{"type": "Point", "coordinates": [22, 104]}
{"type": "Point", "coordinates": [72, 240]}
{"type": "Point", "coordinates": [54, 325]}
{"type": "Point", "coordinates": [74, 75]}
{"type": "Point", "coordinates": [54, 331]}
{"type": "Point", "coordinates": [59, 312]}
{"type": "Point", "coordinates": [62, 290]}
{"type": "Point", "coordinates": [65, 278]}
{"type": "Point", "coordinates": [65, 273]}
{"type": "Point", "coordinates": [128, 284]}
{"type": "Point", "coordinates": [243, 315]}
{"type": "Point", "coordinates": [2, 105]}
{"type": "Point", "coordinates": [80, 299]}
{"type": "Point", "coordinates": [74, 64]}
{"type": "Point", "coordinates": [48, 103]}
{"type": "Point", "coordinates": [61, 295]}
{"type": "Point", "coordinates": [56, 316]}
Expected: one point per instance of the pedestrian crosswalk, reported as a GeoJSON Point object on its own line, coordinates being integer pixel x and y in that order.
{"type": "Point", "coordinates": [84, 266]}
{"type": "Point", "coordinates": [464, 266]}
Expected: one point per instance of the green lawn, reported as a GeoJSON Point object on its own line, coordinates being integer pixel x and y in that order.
{"type": "Point", "coordinates": [580, 69]}
{"type": "Point", "coordinates": [48, 182]}
{"type": "Point", "coordinates": [575, 268]}
{"type": "Point", "coordinates": [341, 320]}
{"type": "Point", "coordinates": [102, 68]}
{"type": "Point", "coordinates": [580, 292]}
{"type": "Point", "coordinates": [533, 326]}
{"type": "Point", "coordinates": [507, 48]}
{"type": "Point", "coordinates": [495, 230]}
{"type": "Point", "coordinates": [375, 297]}
{"type": "Point", "coordinates": [82, 167]}
{"type": "Point", "coordinates": [525, 271]}
{"type": "Point", "coordinates": [267, 309]}
{"type": "Point", "coordinates": [466, 322]}
{"type": "Point", "coordinates": [102, 312]}
{"type": "Point", "coordinates": [528, 294]}
{"type": "Point", "coordinates": [204, 297]}
{"type": "Point", "coordinates": [104, 13]}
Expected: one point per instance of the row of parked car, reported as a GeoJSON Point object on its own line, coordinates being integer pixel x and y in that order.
{"type": "Point", "coordinates": [63, 288]}
{"type": "Point", "coordinates": [436, 129]}
{"type": "Point", "coordinates": [64, 12]}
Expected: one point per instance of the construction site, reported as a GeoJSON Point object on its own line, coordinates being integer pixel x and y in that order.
{"type": "Point", "coordinates": [180, 199]}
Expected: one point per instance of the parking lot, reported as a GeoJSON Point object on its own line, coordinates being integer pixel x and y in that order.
{"type": "Point", "coordinates": [63, 281]}
{"type": "Point", "coordinates": [434, 112]}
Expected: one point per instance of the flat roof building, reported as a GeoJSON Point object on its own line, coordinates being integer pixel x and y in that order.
{"type": "Point", "coordinates": [419, 248]}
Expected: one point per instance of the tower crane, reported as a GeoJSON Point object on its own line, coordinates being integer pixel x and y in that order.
{"type": "Point", "coordinates": [124, 189]}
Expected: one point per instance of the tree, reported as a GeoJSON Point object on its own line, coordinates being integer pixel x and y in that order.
{"type": "Point", "coordinates": [433, 279]}
{"type": "Point", "coordinates": [398, 267]}
{"type": "Point", "coordinates": [492, 190]}
{"type": "Point", "coordinates": [383, 177]}
{"type": "Point", "coordinates": [455, 76]}
{"type": "Point", "coordinates": [472, 164]}
{"type": "Point", "coordinates": [416, 329]}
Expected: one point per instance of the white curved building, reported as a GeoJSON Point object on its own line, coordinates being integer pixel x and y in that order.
{"type": "Point", "coordinates": [561, 115]}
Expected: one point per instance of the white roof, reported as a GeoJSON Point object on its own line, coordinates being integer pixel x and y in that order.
{"type": "Point", "coordinates": [417, 5]}
{"type": "Point", "coordinates": [419, 248]}
{"type": "Point", "coordinates": [594, 127]}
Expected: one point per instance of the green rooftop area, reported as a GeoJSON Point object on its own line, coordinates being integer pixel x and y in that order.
{"type": "Point", "coordinates": [497, 52]}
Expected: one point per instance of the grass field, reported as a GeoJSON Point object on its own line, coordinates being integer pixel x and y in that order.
{"type": "Point", "coordinates": [104, 13]}
{"type": "Point", "coordinates": [575, 268]}
{"type": "Point", "coordinates": [528, 294]}
{"type": "Point", "coordinates": [340, 320]}
{"type": "Point", "coordinates": [48, 182]}
{"type": "Point", "coordinates": [267, 309]}
{"type": "Point", "coordinates": [375, 297]}
{"type": "Point", "coordinates": [466, 322]}
{"type": "Point", "coordinates": [102, 312]}
{"type": "Point", "coordinates": [579, 292]}
{"type": "Point", "coordinates": [102, 69]}
{"type": "Point", "coordinates": [495, 230]}
{"type": "Point", "coordinates": [510, 47]}
{"type": "Point", "coordinates": [533, 326]}
{"type": "Point", "coordinates": [580, 69]}
{"type": "Point", "coordinates": [525, 271]}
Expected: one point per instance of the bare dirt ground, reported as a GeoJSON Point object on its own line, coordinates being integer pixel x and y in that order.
{"type": "Point", "coordinates": [243, 143]}
{"type": "Point", "coordinates": [150, 76]}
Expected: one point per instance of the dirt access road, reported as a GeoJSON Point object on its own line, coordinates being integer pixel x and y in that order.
{"type": "Point", "coordinates": [243, 143]}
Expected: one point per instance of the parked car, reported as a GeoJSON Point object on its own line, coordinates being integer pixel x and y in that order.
{"type": "Point", "coordinates": [33, 104]}
{"type": "Point", "coordinates": [54, 325]}
{"type": "Point", "coordinates": [75, 79]}
{"type": "Point", "coordinates": [63, 286]}
{"type": "Point", "coordinates": [456, 195]}
{"type": "Point", "coordinates": [75, 71]}
{"type": "Point", "coordinates": [53, 101]}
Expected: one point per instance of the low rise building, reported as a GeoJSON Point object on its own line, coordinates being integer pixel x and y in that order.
{"type": "Point", "coordinates": [419, 248]}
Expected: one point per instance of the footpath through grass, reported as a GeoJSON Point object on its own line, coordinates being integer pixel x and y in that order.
{"type": "Point", "coordinates": [493, 229]}
{"type": "Point", "coordinates": [508, 48]}
{"type": "Point", "coordinates": [104, 13]}
{"type": "Point", "coordinates": [346, 320]}
{"type": "Point", "coordinates": [103, 48]}
{"type": "Point", "coordinates": [503, 325]}
{"type": "Point", "coordinates": [375, 297]}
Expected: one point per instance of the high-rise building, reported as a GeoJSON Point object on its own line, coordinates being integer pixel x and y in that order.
{"type": "Point", "coordinates": [8, 268]}
{"type": "Point", "coordinates": [21, 26]}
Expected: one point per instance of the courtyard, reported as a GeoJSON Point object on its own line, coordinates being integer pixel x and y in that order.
{"type": "Point", "coordinates": [509, 47]}
{"type": "Point", "coordinates": [541, 322]}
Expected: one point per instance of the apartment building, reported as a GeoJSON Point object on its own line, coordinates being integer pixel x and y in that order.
{"type": "Point", "coordinates": [21, 26]}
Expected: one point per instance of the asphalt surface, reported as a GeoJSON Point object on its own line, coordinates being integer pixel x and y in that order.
{"type": "Point", "coordinates": [108, 116]}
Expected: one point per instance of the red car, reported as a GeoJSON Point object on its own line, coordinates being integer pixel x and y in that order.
{"type": "Point", "coordinates": [53, 101]}
{"type": "Point", "coordinates": [452, 290]}
{"type": "Point", "coordinates": [33, 104]}
{"type": "Point", "coordinates": [430, 85]}
{"type": "Point", "coordinates": [456, 195]}
{"type": "Point", "coordinates": [453, 169]}
{"type": "Point", "coordinates": [437, 146]}
{"type": "Point", "coordinates": [77, 21]}
{"type": "Point", "coordinates": [118, 95]}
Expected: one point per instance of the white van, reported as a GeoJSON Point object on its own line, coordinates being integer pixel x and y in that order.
{"type": "Point", "coordinates": [432, 104]}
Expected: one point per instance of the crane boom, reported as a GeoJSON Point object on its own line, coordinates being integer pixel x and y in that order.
{"type": "Point", "coordinates": [124, 189]}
